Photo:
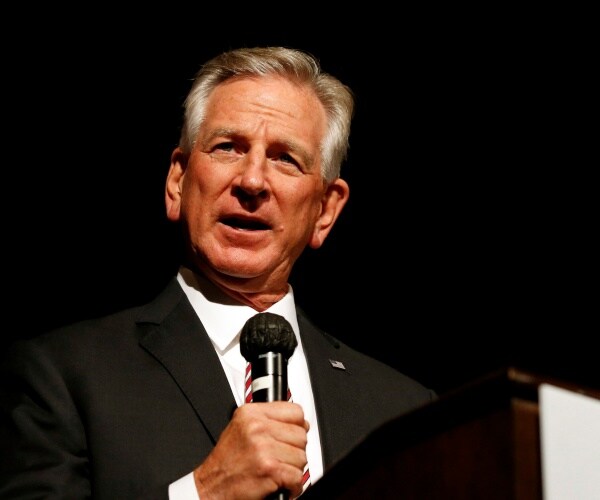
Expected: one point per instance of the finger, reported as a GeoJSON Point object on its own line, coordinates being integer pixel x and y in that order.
{"type": "Point", "coordinates": [280, 410]}
{"type": "Point", "coordinates": [283, 474]}
{"type": "Point", "coordinates": [291, 434]}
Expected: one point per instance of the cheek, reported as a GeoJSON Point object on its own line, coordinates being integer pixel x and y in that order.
{"type": "Point", "coordinates": [202, 186]}
{"type": "Point", "coordinates": [193, 203]}
{"type": "Point", "coordinates": [301, 207]}
{"type": "Point", "coordinates": [305, 213]}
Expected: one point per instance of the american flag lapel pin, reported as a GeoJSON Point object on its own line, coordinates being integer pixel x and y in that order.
{"type": "Point", "coordinates": [337, 364]}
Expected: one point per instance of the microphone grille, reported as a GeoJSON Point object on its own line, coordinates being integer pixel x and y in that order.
{"type": "Point", "coordinates": [267, 332]}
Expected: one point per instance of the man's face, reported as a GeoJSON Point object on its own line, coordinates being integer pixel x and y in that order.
{"type": "Point", "coordinates": [252, 196]}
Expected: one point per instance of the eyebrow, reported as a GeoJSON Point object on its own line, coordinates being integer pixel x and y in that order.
{"type": "Point", "coordinates": [220, 131]}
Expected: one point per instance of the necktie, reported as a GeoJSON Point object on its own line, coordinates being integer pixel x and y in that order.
{"type": "Point", "coordinates": [248, 398]}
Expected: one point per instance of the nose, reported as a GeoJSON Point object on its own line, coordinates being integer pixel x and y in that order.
{"type": "Point", "coordinates": [252, 179]}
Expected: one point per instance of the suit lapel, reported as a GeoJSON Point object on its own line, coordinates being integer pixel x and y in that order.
{"type": "Point", "coordinates": [331, 379]}
{"type": "Point", "coordinates": [176, 338]}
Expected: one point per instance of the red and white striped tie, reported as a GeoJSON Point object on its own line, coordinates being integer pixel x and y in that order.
{"type": "Point", "coordinates": [248, 398]}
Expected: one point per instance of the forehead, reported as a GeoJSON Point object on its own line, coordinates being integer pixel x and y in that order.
{"type": "Point", "coordinates": [271, 98]}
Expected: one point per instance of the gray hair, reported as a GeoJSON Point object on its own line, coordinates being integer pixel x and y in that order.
{"type": "Point", "coordinates": [293, 64]}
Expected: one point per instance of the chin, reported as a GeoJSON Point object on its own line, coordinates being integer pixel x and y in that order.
{"type": "Point", "coordinates": [239, 271]}
{"type": "Point", "coordinates": [242, 264]}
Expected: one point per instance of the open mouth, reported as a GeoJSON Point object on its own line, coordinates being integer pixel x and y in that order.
{"type": "Point", "coordinates": [245, 224]}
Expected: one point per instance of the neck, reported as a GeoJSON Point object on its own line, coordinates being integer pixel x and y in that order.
{"type": "Point", "coordinates": [258, 301]}
{"type": "Point", "coordinates": [247, 291]}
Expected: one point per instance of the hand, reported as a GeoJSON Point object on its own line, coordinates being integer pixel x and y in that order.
{"type": "Point", "coordinates": [262, 450]}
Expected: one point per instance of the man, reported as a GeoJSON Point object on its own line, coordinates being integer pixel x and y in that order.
{"type": "Point", "coordinates": [149, 402]}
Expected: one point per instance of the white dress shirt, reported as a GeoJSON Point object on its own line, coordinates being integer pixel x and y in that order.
{"type": "Point", "coordinates": [224, 319]}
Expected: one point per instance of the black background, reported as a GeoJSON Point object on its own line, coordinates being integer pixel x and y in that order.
{"type": "Point", "coordinates": [467, 241]}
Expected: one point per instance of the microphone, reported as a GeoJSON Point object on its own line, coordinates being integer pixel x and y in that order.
{"type": "Point", "coordinates": [267, 342]}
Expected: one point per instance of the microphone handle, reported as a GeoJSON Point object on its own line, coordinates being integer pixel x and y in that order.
{"type": "Point", "coordinates": [270, 370]}
{"type": "Point", "coordinates": [279, 495]}
{"type": "Point", "coordinates": [269, 377]}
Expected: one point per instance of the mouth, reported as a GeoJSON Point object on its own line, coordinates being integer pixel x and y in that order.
{"type": "Point", "coordinates": [245, 224]}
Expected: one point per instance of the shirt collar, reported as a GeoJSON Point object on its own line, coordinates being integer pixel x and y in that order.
{"type": "Point", "coordinates": [223, 317]}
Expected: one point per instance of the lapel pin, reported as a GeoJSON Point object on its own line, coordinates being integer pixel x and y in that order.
{"type": "Point", "coordinates": [337, 364]}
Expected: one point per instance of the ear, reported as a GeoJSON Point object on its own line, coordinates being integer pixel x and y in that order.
{"type": "Point", "coordinates": [174, 184]}
{"type": "Point", "coordinates": [333, 201]}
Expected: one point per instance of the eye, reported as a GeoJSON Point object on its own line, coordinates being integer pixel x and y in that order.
{"type": "Point", "coordinates": [224, 151]}
{"type": "Point", "coordinates": [288, 163]}
{"type": "Point", "coordinates": [225, 146]}
{"type": "Point", "coordinates": [286, 158]}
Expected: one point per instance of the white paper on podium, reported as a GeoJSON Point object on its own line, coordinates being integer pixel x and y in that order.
{"type": "Point", "coordinates": [570, 444]}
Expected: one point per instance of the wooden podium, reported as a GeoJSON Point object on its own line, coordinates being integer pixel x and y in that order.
{"type": "Point", "coordinates": [481, 441]}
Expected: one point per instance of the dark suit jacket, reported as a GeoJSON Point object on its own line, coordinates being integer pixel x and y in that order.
{"type": "Point", "coordinates": [121, 406]}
